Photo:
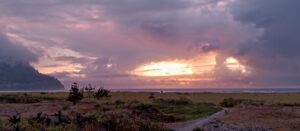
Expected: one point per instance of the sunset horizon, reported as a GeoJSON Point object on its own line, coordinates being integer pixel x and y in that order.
{"type": "Point", "coordinates": [149, 65]}
{"type": "Point", "coordinates": [137, 44]}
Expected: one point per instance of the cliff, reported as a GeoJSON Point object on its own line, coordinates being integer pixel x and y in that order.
{"type": "Point", "coordinates": [20, 75]}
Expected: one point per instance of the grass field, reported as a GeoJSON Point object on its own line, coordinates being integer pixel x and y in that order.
{"type": "Point", "coordinates": [195, 97]}
{"type": "Point", "coordinates": [147, 110]}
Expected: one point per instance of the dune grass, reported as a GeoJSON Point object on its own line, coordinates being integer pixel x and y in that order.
{"type": "Point", "coordinates": [143, 97]}
{"type": "Point", "coordinates": [185, 109]}
{"type": "Point", "coordinates": [143, 110]}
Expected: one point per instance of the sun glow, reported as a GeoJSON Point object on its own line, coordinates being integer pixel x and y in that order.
{"type": "Point", "coordinates": [234, 65]}
{"type": "Point", "coordinates": [201, 65]}
{"type": "Point", "coordinates": [164, 69]}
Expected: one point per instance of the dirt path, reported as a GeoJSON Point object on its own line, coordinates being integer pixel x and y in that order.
{"type": "Point", "coordinates": [190, 125]}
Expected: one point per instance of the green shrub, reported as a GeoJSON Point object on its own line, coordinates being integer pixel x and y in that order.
{"type": "Point", "coordinates": [230, 102]}
{"type": "Point", "coordinates": [181, 101]}
{"type": "Point", "coordinates": [152, 112]}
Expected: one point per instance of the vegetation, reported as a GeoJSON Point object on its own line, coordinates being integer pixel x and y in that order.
{"type": "Point", "coordinates": [25, 98]}
{"type": "Point", "coordinates": [185, 109]}
{"type": "Point", "coordinates": [119, 111]}
{"type": "Point", "coordinates": [230, 102]}
{"type": "Point", "coordinates": [14, 121]}
{"type": "Point", "coordinates": [89, 89]}
{"type": "Point", "coordinates": [75, 94]}
{"type": "Point", "coordinates": [101, 93]}
{"type": "Point", "coordinates": [198, 129]}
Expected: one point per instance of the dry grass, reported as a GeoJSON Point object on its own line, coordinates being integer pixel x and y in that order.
{"type": "Point", "coordinates": [156, 107]}
{"type": "Point", "coordinates": [215, 98]}
{"type": "Point", "coordinates": [195, 97]}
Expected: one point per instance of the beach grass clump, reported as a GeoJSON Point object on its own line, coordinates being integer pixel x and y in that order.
{"type": "Point", "coordinates": [181, 101]}
{"type": "Point", "coordinates": [126, 121]}
{"type": "Point", "coordinates": [230, 102]}
{"type": "Point", "coordinates": [152, 112]}
{"type": "Point", "coordinates": [184, 109]}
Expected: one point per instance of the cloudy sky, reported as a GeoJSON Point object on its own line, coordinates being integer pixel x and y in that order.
{"type": "Point", "coordinates": [156, 43]}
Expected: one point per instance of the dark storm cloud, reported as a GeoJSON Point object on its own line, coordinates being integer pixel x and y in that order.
{"type": "Point", "coordinates": [13, 51]}
{"type": "Point", "coordinates": [170, 20]}
{"type": "Point", "coordinates": [275, 56]}
{"type": "Point", "coordinates": [142, 31]}
{"type": "Point", "coordinates": [114, 37]}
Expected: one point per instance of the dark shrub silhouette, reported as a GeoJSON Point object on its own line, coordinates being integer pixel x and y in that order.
{"type": "Point", "coordinates": [89, 90]}
{"type": "Point", "coordinates": [82, 120]}
{"type": "Point", "coordinates": [15, 120]}
{"type": "Point", "coordinates": [102, 93]}
{"type": "Point", "coordinates": [61, 119]}
{"type": "Point", "coordinates": [230, 102]}
{"type": "Point", "coordinates": [75, 94]}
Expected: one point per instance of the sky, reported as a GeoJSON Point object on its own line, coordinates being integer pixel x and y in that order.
{"type": "Point", "coordinates": [156, 43]}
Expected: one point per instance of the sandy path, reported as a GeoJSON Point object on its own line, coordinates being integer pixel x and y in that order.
{"type": "Point", "coordinates": [190, 125]}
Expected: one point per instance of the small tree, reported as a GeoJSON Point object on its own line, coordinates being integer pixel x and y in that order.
{"type": "Point", "coordinates": [102, 93]}
{"type": "Point", "coordinates": [75, 94]}
{"type": "Point", "coordinates": [89, 90]}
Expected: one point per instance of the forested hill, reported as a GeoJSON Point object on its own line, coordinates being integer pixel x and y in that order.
{"type": "Point", "coordinates": [20, 75]}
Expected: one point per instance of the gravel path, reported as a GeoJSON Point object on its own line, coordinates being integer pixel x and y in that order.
{"type": "Point", "coordinates": [190, 125]}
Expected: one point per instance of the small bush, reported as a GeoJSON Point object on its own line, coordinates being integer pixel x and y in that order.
{"type": "Point", "coordinates": [89, 90]}
{"type": "Point", "coordinates": [15, 121]}
{"type": "Point", "coordinates": [82, 120]}
{"type": "Point", "coordinates": [230, 102]}
{"type": "Point", "coordinates": [61, 119]}
{"type": "Point", "coordinates": [40, 121]}
{"type": "Point", "coordinates": [75, 94]}
{"type": "Point", "coordinates": [102, 93]}
{"type": "Point", "coordinates": [198, 129]}
{"type": "Point", "coordinates": [153, 113]}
